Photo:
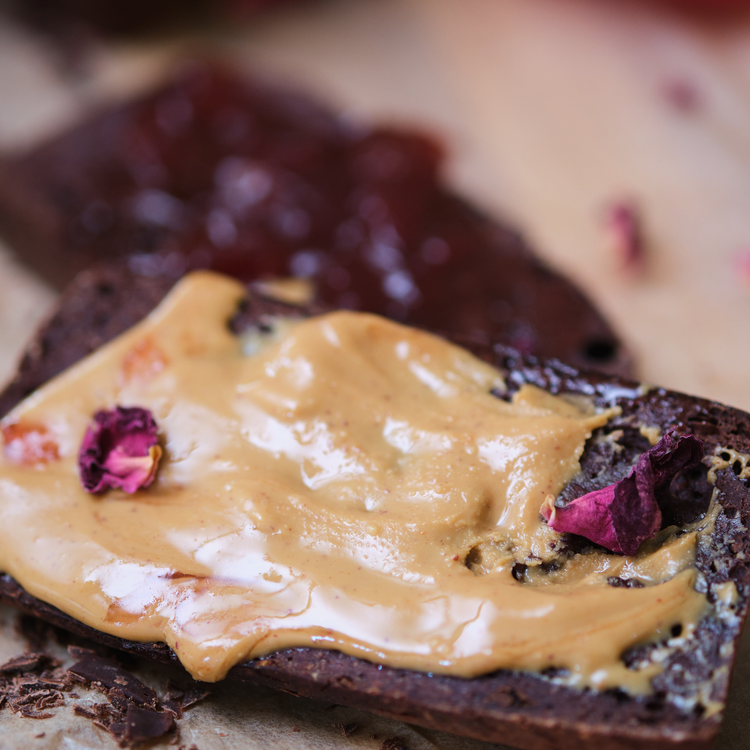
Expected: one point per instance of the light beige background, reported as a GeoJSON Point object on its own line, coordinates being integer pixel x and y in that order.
{"type": "Point", "coordinates": [551, 109]}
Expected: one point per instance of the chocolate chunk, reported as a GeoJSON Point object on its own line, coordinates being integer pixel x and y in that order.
{"type": "Point", "coordinates": [104, 674]}
{"type": "Point", "coordinates": [141, 724]}
{"type": "Point", "coordinates": [118, 699]}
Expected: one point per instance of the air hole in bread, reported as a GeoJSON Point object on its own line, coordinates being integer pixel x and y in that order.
{"type": "Point", "coordinates": [600, 350]}
{"type": "Point", "coordinates": [473, 560]}
{"type": "Point", "coordinates": [625, 583]}
{"type": "Point", "coordinates": [559, 672]}
{"type": "Point", "coordinates": [657, 702]}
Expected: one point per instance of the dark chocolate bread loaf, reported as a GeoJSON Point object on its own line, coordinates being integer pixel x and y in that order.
{"type": "Point", "coordinates": [213, 170]}
{"type": "Point", "coordinates": [528, 710]}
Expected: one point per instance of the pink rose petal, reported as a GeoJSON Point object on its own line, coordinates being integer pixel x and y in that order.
{"type": "Point", "coordinates": [624, 515]}
{"type": "Point", "coordinates": [625, 234]}
{"type": "Point", "coordinates": [120, 451]}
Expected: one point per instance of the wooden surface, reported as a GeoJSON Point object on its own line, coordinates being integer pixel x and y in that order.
{"type": "Point", "coordinates": [551, 110]}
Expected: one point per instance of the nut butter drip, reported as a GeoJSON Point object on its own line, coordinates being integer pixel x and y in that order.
{"type": "Point", "coordinates": [325, 491]}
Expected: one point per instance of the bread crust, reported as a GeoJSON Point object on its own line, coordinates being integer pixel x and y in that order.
{"type": "Point", "coordinates": [529, 711]}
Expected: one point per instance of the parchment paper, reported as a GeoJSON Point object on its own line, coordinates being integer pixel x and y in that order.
{"type": "Point", "coordinates": [551, 109]}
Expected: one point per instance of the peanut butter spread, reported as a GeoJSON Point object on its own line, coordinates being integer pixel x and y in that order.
{"type": "Point", "coordinates": [344, 483]}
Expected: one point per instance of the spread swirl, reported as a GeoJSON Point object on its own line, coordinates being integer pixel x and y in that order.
{"type": "Point", "coordinates": [328, 489]}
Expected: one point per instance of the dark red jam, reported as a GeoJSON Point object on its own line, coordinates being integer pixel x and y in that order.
{"type": "Point", "coordinates": [217, 171]}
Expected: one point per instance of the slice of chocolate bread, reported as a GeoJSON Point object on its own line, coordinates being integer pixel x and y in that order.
{"type": "Point", "coordinates": [119, 17]}
{"type": "Point", "coordinates": [533, 711]}
{"type": "Point", "coordinates": [214, 170]}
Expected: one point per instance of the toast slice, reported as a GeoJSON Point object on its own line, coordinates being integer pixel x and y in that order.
{"type": "Point", "coordinates": [528, 710]}
{"type": "Point", "coordinates": [213, 170]}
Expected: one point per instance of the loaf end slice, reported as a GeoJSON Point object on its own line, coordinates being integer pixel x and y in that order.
{"type": "Point", "coordinates": [216, 170]}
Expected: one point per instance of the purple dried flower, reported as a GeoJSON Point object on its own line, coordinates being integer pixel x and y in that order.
{"type": "Point", "coordinates": [120, 450]}
{"type": "Point", "coordinates": [622, 516]}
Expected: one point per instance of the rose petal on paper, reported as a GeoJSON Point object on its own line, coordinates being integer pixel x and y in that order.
{"type": "Point", "coordinates": [741, 265]}
{"type": "Point", "coordinates": [120, 451]}
{"type": "Point", "coordinates": [624, 515]}
{"type": "Point", "coordinates": [624, 231]}
{"type": "Point", "coordinates": [683, 95]}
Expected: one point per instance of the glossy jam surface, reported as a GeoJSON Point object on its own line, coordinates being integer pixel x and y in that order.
{"type": "Point", "coordinates": [343, 482]}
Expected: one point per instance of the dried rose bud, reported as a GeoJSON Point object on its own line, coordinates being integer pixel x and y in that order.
{"type": "Point", "coordinates": [625, 235]}
{"type": "Point", "coordinates": [120, 450]}
{"type": "Point", "coordinates": [622, 516]}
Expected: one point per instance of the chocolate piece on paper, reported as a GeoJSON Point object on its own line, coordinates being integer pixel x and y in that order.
{"type": "Point", "coordinates": [106, 675]}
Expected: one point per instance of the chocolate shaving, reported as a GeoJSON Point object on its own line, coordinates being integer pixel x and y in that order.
{"type": "Point", "coordinates": [28, 712]}
{"type": "Point", "coordinates": [28, 662]}
{"type": "Point", "coordinates": [29, 688]}
{"type": "Point", "coordinates": [140, 725]}
{"type": "Point", "coordinates": [195, 695]}
{"type": "Point", "coordinates": [31, 697]}
{"type": "Point", "coordinates": [172, 701]}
